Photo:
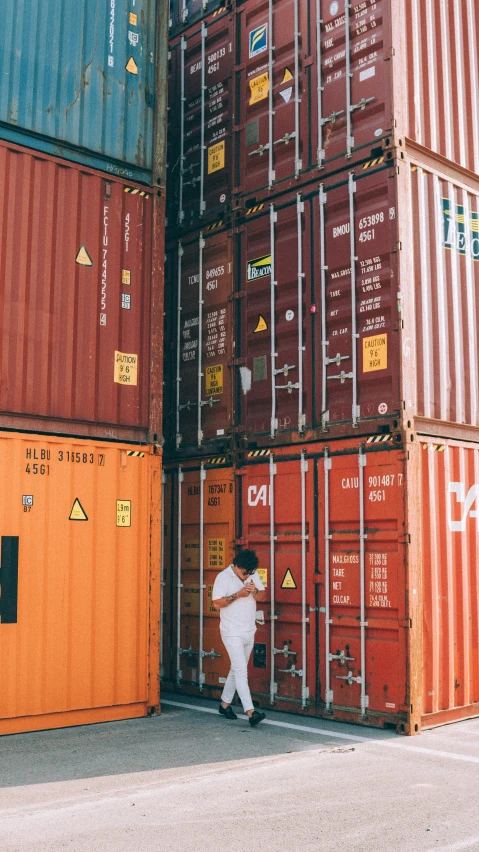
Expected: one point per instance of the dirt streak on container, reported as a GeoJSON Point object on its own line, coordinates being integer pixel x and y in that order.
{"type": "Point", "coordinates": [95, 93]}
{"type": "Point", "coordinates": [201, 123]}
{"type": "Point", "coordinates": [200, 342]}
{"type": "Point", "coordinates": [79, 604]}
{"type": "Point", "coordinates": [198, 543]}
{"type": "Point", "coordinates": [76, 260]}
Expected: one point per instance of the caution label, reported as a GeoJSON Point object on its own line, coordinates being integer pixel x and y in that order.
{"type": "Point", "coordinates": [259, 88]}
{"type": "Point", "coordinates": [83, 258]}
{"type": "Point", "coordinates": [131, 66]}
{"type": "Point", "coordinates": [78, 512]}
{"type": "Point", "coordinates": [216, 157]}
{"type": "Point", "coordinates": [288, 581]}
{"type": "Point", "coordinates": [261, 325]}
{"type": "Point", "coordinates": [133, 18]}
{"type": "Point", "coordinates": [123, 513]}
{"type": "Point", "coordinates": [375, 353]}
{"type": "Point", "coordinates": [216, 553]}
{"type": "Point", "coordinates": [126, 368]}
{"type": "Point", "coordinates": [126, 277]}
{"type": "Point", "coordinates": [214, 380]}
{"type": "Point", "coordinates": [263, 575]}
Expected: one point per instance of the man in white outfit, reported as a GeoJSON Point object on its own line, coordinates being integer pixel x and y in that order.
{"type": "Point", "coordinates": [235, 593]}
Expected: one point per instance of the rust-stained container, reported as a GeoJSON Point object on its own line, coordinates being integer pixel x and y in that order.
{"type": "Point", "coordinates": [99, 98]}
{"type": "Point", "coordinates": [199, 344]}
{"type": "Point", "coordinates": [80, 590]}
{"type": "Point", "coordinates": [367, 549]}
{"type": "Point", "coordinates": [200, 143]}
{"type": "Point", "coordinates": [199, 530]}
{"type": "Point", "coordinates": [81, 300]}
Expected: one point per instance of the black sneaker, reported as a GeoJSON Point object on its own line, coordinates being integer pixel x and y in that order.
{"type": "Point", "coordinates": [256, 717]}
{"type": "Point", "coordinates": [227, 712]}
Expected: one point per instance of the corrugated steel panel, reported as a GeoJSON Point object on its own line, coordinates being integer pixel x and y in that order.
{"type": "Point", "coordinates": [200, 344]}
{"type": "Point", "coordinates": [442, 231]}
{"type": "Point", "coordinates": [92, 98]}
{"type": "Point", "coordinates": [436, 77]}
{"type": "Point", "coordinates": [319, 568]}
{"type": "Point", "coordinates": [200, 129]}
{"type": "Point", "coordinates": [79, 601]}
{"type": "Point", "coordinates": [449, 535]}
{"type": "Point", "coordinates": [79, 299]}
{"type": "Point", "coordinates": [198, 542]}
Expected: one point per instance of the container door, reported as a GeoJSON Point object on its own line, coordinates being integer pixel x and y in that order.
{"type": "Point", "coordinates": [354, 71]}
{"type": "Point", "coordinates": [204, 520]}
{"type": "Point", "coordinates": [277, 516]}
{"type": "Point", "coordinates": [274, 108]}
{"type": "Point", "coordinates": [275, 366]}
{"type": "Point", "coordinates": [200, 164]}
{"type": "Point", "coordinates": [357, 260]}
{"type": "Point", "coordinates": [204, 342]}
{"type": "Point", "coordinates": [362, 523]}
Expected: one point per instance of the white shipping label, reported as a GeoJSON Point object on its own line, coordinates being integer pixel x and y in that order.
{"type": "Point", "coordinates": [368, 72]}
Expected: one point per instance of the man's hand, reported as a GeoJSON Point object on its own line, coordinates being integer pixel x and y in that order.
{"type": "Point", "coordinates": [250, 586]}
{"type": "Point", "coordinates": [245, 591]}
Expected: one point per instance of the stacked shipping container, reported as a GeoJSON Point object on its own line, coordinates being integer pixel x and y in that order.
{"type": "Point", "coordinates": [321, 339]}
{"type": "Point", "coordinates": [82, 174]}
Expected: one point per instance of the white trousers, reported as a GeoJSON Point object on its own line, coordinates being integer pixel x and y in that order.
{"type": "Point", "coordinates": [239, 651]}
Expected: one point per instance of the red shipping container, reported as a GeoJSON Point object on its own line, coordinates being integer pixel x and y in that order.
{"type": "Point", "coordinates": [200, 344]}
{"type": "Point", "coordinates": [201, 123]}
{"type": "Point", "coordinates": [326, 85]}
{"type": "Point", "coordinates": [82, 294]}
{"type": "Point", "coordinates": [368, 552]}
{"type": "Point", "coordinates": [332, 345]}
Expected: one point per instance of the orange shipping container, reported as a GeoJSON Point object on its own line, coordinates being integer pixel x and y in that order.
{"type": "Point", "coordinates": [368, 549]}
{"type": "Point", "coordinates": [199, 525]}
{"type": "Point", "coordinates": [80, 562]}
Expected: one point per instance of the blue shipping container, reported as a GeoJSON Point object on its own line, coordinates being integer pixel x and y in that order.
{"type": "Point", "coordinates": [78, 80]}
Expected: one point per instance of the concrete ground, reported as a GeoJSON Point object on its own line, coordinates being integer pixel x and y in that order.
{"type": "Point", "coordinates": [189, 780]}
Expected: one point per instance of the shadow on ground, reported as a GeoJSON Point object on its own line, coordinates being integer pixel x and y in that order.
{"type": "Point", "coordinates": [177, 738]}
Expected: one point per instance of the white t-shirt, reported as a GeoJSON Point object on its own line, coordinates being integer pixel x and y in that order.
{"type": "Point", "coordinates": [238, 618]}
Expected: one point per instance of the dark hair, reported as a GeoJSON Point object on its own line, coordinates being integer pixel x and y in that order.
{"type": "Point", "coordinates": [247, 560]}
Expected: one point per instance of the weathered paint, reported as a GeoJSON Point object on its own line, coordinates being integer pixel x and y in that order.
{"type": "Point", "coordinates": [93, 98]}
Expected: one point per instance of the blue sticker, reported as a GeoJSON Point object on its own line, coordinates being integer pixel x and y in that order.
{"type": "Point", "coordinates": [258, 40]}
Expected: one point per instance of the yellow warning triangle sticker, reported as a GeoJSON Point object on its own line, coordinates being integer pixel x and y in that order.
{"type": "Point", "coordinates": [131, 66]}
{"type": "Point", "coordinates": [286, 76]}
{"type": "Point", "coordinates": [288, 581]}
{"type": "Point", "coordinates": [261, 325]}
{"type": "Point", "coordinates": [78, 512]}
{"type": "Point", "coordinates": [83, 258]}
